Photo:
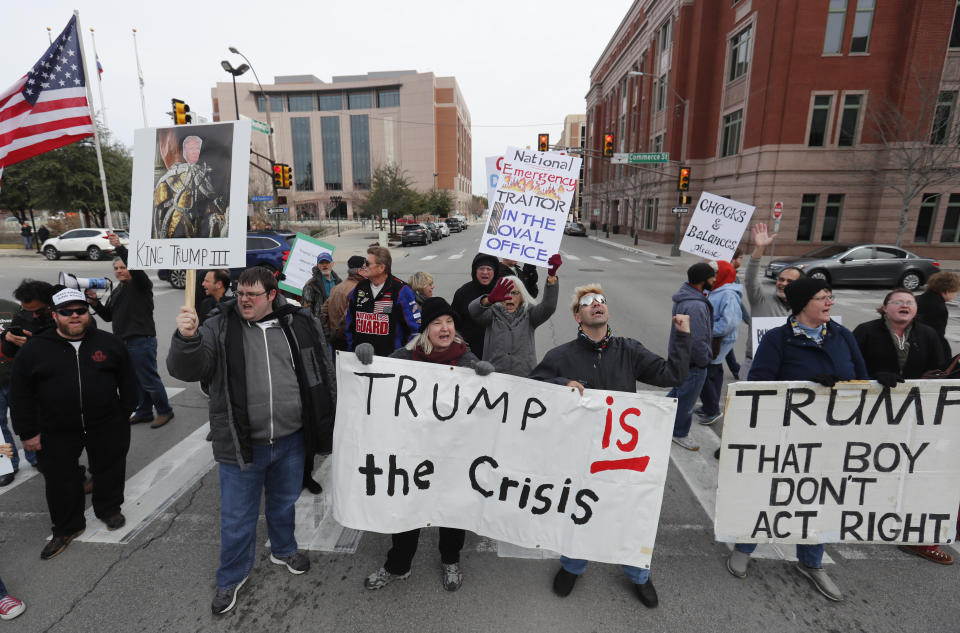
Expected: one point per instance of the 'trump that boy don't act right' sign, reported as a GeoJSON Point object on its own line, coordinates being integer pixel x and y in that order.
{"type": "Point", "coordinates": [716, 227]}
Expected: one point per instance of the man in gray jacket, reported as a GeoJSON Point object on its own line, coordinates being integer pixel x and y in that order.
{"type": "Point", "coordinates": [272, 401]}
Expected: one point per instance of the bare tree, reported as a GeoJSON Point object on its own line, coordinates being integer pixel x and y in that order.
{"type": "Point", "coordinates": [920, 142]}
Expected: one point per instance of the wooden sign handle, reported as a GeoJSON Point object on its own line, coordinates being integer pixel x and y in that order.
{"type": "Point", "coordinates": [190, 289]}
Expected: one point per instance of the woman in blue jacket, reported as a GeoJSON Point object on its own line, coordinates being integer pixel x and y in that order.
{"type": "Point", "coordinates": [809, 346]}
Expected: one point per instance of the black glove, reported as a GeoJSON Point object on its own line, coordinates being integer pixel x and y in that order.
{"type": "Point", "coordinates": [888, 378]}
{"type": "Point", "coordinates": [827, 380]}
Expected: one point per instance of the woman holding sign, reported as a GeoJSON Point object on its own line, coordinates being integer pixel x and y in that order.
{"type": "Point", "coordinates": [437, 342]}
{"type": "Point", "coordinates": [809, 346]}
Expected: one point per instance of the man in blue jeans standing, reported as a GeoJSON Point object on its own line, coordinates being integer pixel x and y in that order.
{"type": "Point", "coordinates": [130, 309]}
{"type": "Point", "coordinates": [272, 401]}
{"type": "Point", "coordinates": [691, 300]}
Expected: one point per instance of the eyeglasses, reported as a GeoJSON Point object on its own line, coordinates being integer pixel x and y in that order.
{"type": "Point", "coordinates": [250, 295]}
{"type": "Point", "coordinates": [65, 312]}
{"type": "Point", "coordinates": [901, 302]}
{"type": "Point", "coordinates": [587, 300]}
{"type": "Point", "coordinates": [825, 298]}
{"type": "Point", "coordinates": [368, 264]}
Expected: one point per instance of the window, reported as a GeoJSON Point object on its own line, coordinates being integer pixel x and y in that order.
{"type": "Point", "coordinates": [663, 38]}
{"type": "Point", "coordinates": [943, 117]}
{"type": "Point", "coordinates": [360, 150]}
{"type": "Point", "coordinates": [658, 143]}
{"type": "Point", "coordinates": [302, 153]}
{"type": "Point", "coordinates": [651, 208]}
{"type": "Point", "coordinates": [925, 218]}
{"type": "Point", "coordinates": [836, 15]}
{"type": "Point", "coordinates": [328, 101]}
{"type": "Point", "coordinates": [359, 100]}
{"type": "Point", "coordinates": [831, 217]}
{"type": "Point", "coordinates": [849, 119]}
{"type": "Point", "coordinates": [865, 252]}
{"type": "Point", "coordinates": [862, 23]}
{"type": "Point", "coordinates": [951, 221]}
{"type": "Point", "coordinates": [300, 103]}
{"type": "Point", "coordinates": [885, 252]}
{"type": "Point", "coordinates": [332, 168]}
{"type": "Point", "coordinates": [955, 33]}
{"type": "Point", "coordinates": [661, 92]}
{"type": "Point", "coordinates": [276, 103]}
{"type": "Point", "coordinates": [819, 119]}
{"type": "Point", "coordinates": [732, 123]}
{"type": "Point", "coordinates": [808, 211]}
{"type": "Point", "coordinates": [739, 54]}
{"type": "Point", "coordinates": [388, 99]}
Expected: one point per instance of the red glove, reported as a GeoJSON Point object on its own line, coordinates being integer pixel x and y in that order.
{"type": "Point", "coordinates": [554, 263]}
{"type": "Point", "coordinates": [501, 291]}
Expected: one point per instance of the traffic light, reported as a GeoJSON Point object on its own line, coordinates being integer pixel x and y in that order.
{"type": "Point", "coordinates": [281, 200]}
{"type": "Point", "coordinates": [608, 145]}
{"type": "Point", "coordinates": [277, 176]}
{"type": "Point", "coordinates": [287, 179]}
{"type": "Point", "coordinates": [181, 112]}
{"type": "Point", "coordinates": [543, 142]}
{"type": "Point", "coordinates": [683, 184]}
{"type": "Point", "coordinates": [684, 200]}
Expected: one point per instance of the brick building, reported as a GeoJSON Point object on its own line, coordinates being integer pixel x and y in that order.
{"type": "Point", "coordinates": [574, 134]}
{"type": "Point", "coordinates": [782, 100]}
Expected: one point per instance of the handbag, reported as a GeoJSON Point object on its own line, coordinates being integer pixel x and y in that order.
{"type": "Point", "coordinates": [941, 374]}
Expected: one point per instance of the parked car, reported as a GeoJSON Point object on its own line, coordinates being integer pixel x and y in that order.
{"type": "Point", "coordinates": [89, 243]}
{"type": "Point", "coordinates": [454, 224]}
{"type": "Point", "coordinates": [264, 248]}
{"type": "Point", "coordinates": [864, 264]}
{"type": "Point", "coordinates": [444, 229]}
{"type": "Point", "coordinates": [434, 229]}
{"type": "Point", "coordinates": [415, 234]}
{"type": "Point", "coordinates": [575, 228]}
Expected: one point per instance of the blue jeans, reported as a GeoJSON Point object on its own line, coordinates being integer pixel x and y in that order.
{"type": "Point", "coordinates": [143, 355]}
{"type": "Point", "coordinates": [710, 393]}
{"type": "Point", "coordinates": [809, 555]}
{"type": "Point", "coordinates": [278, 469]}
{"type": "Point", "coordinates": [577, 566]}
{"type": "Point", "coordinates": [686, 395]}
{"type": "Point", "coordinates": [7, 435]}
{"type": "Point", "coordinates": [27, 242]}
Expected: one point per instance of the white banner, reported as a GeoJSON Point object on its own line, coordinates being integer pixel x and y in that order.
{"type": "Point", "coordinates": [528, 210]}
{"type": "Point", "coordinates": [527, 462]}
{"type": "Point", "coordinates": [761, 325]}
{"type": "Point", "coordinates": [298, 269]}
{"type": "Point", "coordinates": [716, 227]}
{"type": "Point", "coordinates": [803, 463]}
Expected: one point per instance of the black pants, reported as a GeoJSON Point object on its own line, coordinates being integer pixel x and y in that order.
{"type": "Point", "coordinates": [107, 447]}
{"type": "Point", "coordinates": [405, 546]}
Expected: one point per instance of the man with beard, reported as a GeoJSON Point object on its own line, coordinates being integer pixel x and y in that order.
{"type": "Point", "coordinates": [73, 388]}
{"type": "Point", "coordinates": [484, 278]}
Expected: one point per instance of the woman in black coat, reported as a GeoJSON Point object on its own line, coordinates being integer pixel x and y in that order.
{"type": "Point", "coordinates": [932, 304]}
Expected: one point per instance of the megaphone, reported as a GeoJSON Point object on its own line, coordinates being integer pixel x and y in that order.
{"type": "Point", "coordinates": [82, 283]}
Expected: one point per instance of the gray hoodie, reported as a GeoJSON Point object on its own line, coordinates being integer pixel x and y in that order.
{"type": "Point", "coordinates": [762, 303]}
{"type": "Point", "coordinates": [688, 300]}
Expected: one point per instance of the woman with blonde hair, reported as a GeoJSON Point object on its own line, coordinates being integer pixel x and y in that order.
{"type": "Point", "coordinates": [422, 284]}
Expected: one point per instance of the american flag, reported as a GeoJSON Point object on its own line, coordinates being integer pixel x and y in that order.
{"type": "Point", "coordinates": [46, 108]}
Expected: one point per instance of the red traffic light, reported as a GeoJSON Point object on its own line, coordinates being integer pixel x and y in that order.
{"type": "Point", "coordinates": [683, 184]}
{"type": "Point", "coordinates": [608, 145]}
{"type": "Point", "coordinates": [543, 142]}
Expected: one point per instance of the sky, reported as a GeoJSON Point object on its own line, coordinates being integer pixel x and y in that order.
{"type": "Point", "coordinates": [522, 65]}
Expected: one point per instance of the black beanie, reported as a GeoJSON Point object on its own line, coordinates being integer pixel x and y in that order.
{"type": "Point", "coordinates": [356, 262]}
{"type": "Point", "coordinates": [800, 292]}
{"type": "Point", "coordinates": [700, 272]}
{"type": "Point", "coordinates": [432, 308]}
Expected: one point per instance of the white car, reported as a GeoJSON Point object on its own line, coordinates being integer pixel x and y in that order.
{"type": "Point", "coordinates": [444, 229]}
{"type": "Point", "coordinates": [89, 243]}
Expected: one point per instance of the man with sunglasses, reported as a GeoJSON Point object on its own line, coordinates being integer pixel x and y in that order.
{"type": "Point", "coordinates": [597, 359]}
{"type": "Point", "coordinates": [73, 388]}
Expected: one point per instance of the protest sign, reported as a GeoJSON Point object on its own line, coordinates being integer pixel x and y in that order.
{"type": "Point", "coordinates": [298, 268]}
{"type": "Point", "coordinates": [528, 209]}
{"type": "Point", "coordinates": [761, 325]}
{"type": "Point", "coordinates": [716, 227]}
{"type": "Point", "coordinates": [188, 205]}
{"type": "Point", "coordinates": [526, 462]}
{"type": "Point", "coordinates": [494, 164]}
{"type": "Point", "coordinates": [803, 463]}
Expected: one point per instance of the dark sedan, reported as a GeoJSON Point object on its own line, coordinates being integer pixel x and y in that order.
{"type": "Point", "coordinates": [264, 248]}
{"type": "Point", "coordinates": [864, 264]}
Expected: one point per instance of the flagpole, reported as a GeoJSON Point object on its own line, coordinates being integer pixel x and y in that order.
{"type": "Point", "coordinates": [96, 134]}
{"type": "Point", "coordinates": [50, 35]}
{"type": "Point", "coordinates": [103, 105]}
{"type": "Point", "coordinates": [143, 101]}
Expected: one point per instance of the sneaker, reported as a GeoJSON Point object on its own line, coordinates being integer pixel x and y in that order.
{"type": "Point", "coordinates": [297, 563]}
{"type": "Point", "coordinates": [225, 599]}
{"type": "Point", "coordinates": [161, 420]}
{"type": "Point", "coordinates": [647, 594]}
{"type": "Point", "coordinates": [7, 479]}
{"type": "Point", "coordinates": [707, 420]}
{"type": "Point", "coordinates": [57, 544]}
{"type": "Point", "coordinates": [821, 581]}
{"type": "Point", "coordinates": [115, 522]}
{"type": "Point", "coordinates": [563, 582]}
{"type": "Point", "coordinates": [698, 411]}
{"type": "Point", "coordinates": [737, 563]}
{"type": "Point", "coordinates": [382, 578]}
{"type": "Point", "coordinates": [686, 442]}
{"type": "Point", "coordinates": [452, 578]}
{"type": "Point", "coordinates": [10, 607]}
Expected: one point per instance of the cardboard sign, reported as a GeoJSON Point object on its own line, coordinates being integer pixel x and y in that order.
{"type": "Point", "coordinates": [188, 206]}
{"type": "Point", "coordinates": [527, 462]}
{"type": "Point", "coordinates": [761, 325]}
{"type": "Point", "coordinates": [529, 207]}
{"type": "Point", "coordinates": [716, 227]}
{"type": "Point", "coordinates": [298, 268]}
{"type": "Point", "coordinates": [858, 463]}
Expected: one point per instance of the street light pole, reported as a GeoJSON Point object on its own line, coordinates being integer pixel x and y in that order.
{"type": "Point", "coordinates": [233, 49]}
{"type": "Point", "coordinates": [234, 73]}
{"type": "Point", "coordinates": [336, 209]}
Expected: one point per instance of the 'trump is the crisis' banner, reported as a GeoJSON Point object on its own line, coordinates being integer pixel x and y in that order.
{"type": "Point", "coordinates": [716, 227]}
{"type": "Point", "coordinates": [858, 463]}
{"type": "Point", "coordinates": [526, 462]}
{"type": "Point", "coordinates": [530, 205]}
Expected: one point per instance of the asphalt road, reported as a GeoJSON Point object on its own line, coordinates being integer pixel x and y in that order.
{"type": "Point", "coordinates": [160, 577]}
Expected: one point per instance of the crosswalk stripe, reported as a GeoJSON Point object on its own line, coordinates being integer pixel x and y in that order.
{"type": "Point", "coordinates": [25, 473]}
{"type": "Point", "coordinates": [599, 258]}
{"type": "Point", "coordinates": [632, 261]}
{"type": "Point", "coordinates": [567, 255]}
{"type": "Point", "coordinates": [427, 258]}
{"type": "Point", "coordinates": [659, 262]}
{"type": "Point", "coordinates": [315, 528]}
{"type": "Point", "coordinates": [456, 255]}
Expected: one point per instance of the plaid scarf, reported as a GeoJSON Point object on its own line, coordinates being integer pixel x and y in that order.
{"type": "Point", "coordinates": [799, 330]}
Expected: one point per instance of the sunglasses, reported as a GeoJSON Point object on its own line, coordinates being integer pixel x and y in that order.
{"type": "Point", "coordinates": [587, 300]}
{"type": "Point", "coordinates": [65, 312]}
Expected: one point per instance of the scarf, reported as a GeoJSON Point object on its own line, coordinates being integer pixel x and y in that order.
{"type": "Point", "coordinates": [802, 330]}
{"type": "Point", "coordinates": [598, 346]}
{"type": "Point", "coordinates": [449, 356]}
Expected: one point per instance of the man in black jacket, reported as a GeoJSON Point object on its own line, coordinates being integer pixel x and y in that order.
{"type": "Point", "coordinates": [597, 359]}
{"type": "Point", "coordinates": [130, 309]}
{"type": "Point", "coordinates": [73, 388]}
{"type": "Point", "coordinates": [484, 273]}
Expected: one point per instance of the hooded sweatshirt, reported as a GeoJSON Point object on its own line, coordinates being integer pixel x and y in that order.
{"type": "Point", "coordinates": [472, 332]}
{"type": "Point", "coordinates": [726, 298]}
{"type": "Point", "coordinates": [688, 300]}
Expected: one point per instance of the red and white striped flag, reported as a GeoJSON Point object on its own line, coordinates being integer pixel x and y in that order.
{"type": "Point", "coordinates": [46, 108]}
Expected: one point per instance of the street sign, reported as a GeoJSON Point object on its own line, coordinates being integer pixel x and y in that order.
{"type": "Point", "coordinates": [596, 211]}
{"type": "Point", "coordinates": [777, 210]}
{"type": "Point", "coordinates": [384, 213]}
{"type": "Point", "coordinates": [640, 159]}
{"type": "Point", "coordinates": [258, 126]}
{"type": "Point", "coordinates": [277, 210]}
{"type": "Point", "coordinates": [680, 210]}
{"type": "Point", "coordinates": [261, 198]}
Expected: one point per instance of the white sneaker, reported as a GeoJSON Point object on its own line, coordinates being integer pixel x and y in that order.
{"type": "Point", "coordinates": [686, 442]}
{"type": "Point", "coordinates": [382, 578]}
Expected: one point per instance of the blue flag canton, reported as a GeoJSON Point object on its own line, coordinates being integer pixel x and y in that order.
{"type": "Point", "coordinates": [60, 67]}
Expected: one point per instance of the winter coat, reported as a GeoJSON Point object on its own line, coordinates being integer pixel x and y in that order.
{"type": "Point", "coordinates": [130, 306]}
{"type": "Point", "coordinates": [784, 355]}
{"type": "Point", "coordinates": [315, 291]}
{"type": "Point", "coordinates": [468, 359]}
{"type": "Point", "coordinates": [763, 302]}
{"type": "Point", "coordinates": [688, 300]}
{"type": "Point", "coordinates": [472, 332]}
{"type": "Point", "coordinates": [334, 311]}
{"type": "Point", "coordinates": [879, 354]}
{"type": "Point", "coordinates": [932, 311]}
{"type": "Point", "coordinates": [727, 314]}
{"type": "Point", "coordinates": [386, 321]}
{"type": "Point", "coordinates": [509, 339]}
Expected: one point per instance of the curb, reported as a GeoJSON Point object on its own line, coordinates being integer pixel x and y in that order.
{"type": "Point", "coordinates": [625, 247]}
